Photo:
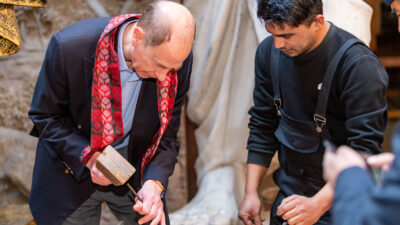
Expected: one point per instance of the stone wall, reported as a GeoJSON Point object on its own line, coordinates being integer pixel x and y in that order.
{"type": "Point", "coordinates": [18, 74]}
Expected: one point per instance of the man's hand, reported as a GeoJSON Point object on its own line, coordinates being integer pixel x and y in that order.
{"type": "Point", "coordinates": [97, 176]}
{"type": "Point", "coordinates": [152, 206]}
{"type": "Point", "coordinates": [250, 208]}
{"type": "Point", "coordinates": [300, 210]}
{"type": "Point", "coordinates": [383, 160]}
{"type": "Point", "coordinates": [344, 158]}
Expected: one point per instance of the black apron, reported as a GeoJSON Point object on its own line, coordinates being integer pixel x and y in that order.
{"type": "Point", "coordinates": [301, 150]}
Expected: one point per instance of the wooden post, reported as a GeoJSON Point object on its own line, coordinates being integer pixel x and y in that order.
{"type": "Point", "coordinates": [191, 156]}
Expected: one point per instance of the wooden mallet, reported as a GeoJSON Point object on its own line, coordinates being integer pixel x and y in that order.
{"type": "Point", "coordinates": [116, 168]}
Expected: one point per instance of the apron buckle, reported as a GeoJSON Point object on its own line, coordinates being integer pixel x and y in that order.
{"type": "Point", "coordinates": [320, 121]}
{"type": "Point", "coordinates": [278, 105]}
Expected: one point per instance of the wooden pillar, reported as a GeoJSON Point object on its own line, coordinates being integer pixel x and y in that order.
{"type": "Point", "coordinates": [191, 156]}
{"type": "Point", "coordinates": [375, 22]}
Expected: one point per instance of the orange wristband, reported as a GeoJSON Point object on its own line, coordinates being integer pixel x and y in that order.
{"type": "Point", "coordinates": [159, 184]}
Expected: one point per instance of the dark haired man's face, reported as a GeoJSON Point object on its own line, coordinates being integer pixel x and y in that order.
{"type": "Point", "coordinates": [293, 41]}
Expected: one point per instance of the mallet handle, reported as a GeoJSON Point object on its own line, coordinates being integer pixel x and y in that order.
{"type": "Point", "coordinates": [134, 192]}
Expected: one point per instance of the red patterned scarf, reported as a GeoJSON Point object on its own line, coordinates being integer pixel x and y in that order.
{"type": "Point", "coordinates": [106, 108]}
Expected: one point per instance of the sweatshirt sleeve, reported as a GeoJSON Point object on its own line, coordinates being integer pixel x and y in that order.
{"type": "Point", "coordinates": [262, 143]}
{"type": "Point", "coordinates": [364, 86]}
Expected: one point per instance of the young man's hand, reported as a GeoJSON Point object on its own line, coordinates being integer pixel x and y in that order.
{"type": "Point", "coordinates": [250, 208]}
{"type": "Point", "coordinates": [297, 209]}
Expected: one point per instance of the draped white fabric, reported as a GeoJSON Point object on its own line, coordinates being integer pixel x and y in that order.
{"type": "Point", "coordinates": [219, 98]}
{"type": "Point", "coordinates": [220, 95]}
{"type": "Point", "coordinates": [353, 16]}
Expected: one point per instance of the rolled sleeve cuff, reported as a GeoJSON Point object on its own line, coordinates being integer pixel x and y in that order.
{"type": "Point", "coordinates": [259, 158]}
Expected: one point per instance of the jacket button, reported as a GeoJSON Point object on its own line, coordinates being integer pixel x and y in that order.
{"type": "Point", "coordinates": [66, 171]}
{"type": "Point", "coordinates": [79, 127]}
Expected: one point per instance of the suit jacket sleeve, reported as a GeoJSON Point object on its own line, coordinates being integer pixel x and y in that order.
{"type": "Point", "coordinates": [162, 164]}
{"type": "Point", "coordinates": [358, 202]}
{"type": "Point", "coordinates": [50, 110]}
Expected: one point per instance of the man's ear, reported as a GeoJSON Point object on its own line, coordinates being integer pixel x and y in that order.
{"type": "Point", "coordinates": [319, 21]}
{"type": "Point", "coordinates": [138, 36]}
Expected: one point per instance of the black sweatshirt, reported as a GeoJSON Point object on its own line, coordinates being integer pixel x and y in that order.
{"type": "Point", "coordinates": [356, 113]}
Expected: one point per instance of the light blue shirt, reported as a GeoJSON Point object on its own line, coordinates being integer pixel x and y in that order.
{"type": "Point", "coordinates": [130, 84]}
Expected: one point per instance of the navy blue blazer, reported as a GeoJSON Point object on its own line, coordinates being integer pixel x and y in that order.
{"type": "Point", "coordinates": [60, 112]}
{"type": "Point", "coordinates": [358, 201]}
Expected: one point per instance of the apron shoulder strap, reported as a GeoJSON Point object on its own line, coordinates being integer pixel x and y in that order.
{"type": "Point", "coordinates": [274, 73]}
{"type": "Point", "coordinates": [320, 114]}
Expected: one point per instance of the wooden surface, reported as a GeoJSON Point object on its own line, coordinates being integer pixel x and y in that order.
{"type": "Point", "coordinates": [15, 214]}
{"type": "Point", "coordinates": [375, 22]}
{"type": "Point", "coordinates": [191, 156]}
{"type": "Point", "coordinates": [390, 61]}
{"type": "Point", "coordinates": [115, 167]}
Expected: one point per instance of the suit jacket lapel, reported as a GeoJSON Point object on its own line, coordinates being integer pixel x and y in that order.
{"type": "Point", "coordinates": [88, 64]}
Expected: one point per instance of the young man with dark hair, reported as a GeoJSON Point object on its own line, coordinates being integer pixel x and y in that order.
{"type": "Point", "coordinates": [313, 81]}
{"type": "Point", "coordinates": [116, 81]}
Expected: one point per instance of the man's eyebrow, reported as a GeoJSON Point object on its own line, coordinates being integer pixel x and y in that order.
{"type": "Point", "coordinates": [160, 65]}
{"type": "Point", "coordinates": [166, 67]}
{"type": "Point", "coordinates": [280, 35]}
{"type": "Point", "coordinates": [284, 35]}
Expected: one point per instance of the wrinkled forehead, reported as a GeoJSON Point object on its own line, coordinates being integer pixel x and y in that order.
{"type": "Point", "coordinates": [170, 55]}
{"type": "Point", "coordinates": [285, 28]}
{"type": "Point", "coordinates": [276, 24]}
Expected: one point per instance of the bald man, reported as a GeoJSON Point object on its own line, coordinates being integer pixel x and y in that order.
{"type": "Point", "coordinates": [110, 81]}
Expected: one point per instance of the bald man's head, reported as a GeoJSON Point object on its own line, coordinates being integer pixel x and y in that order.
{"type": "Point", "coordinates": [163, 20]}
{"type": "Point", "coordinates": [161, 40]}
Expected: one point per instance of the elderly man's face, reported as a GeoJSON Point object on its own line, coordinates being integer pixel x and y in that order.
{"type": "Point", "coordinates": [156, 61]}
{"type": "Point", "coordinates": [396, 9]}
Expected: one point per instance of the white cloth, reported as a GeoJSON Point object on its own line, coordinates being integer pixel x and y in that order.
{"type": "Point", "coordinates": [219, 98]}
{"type": "Point", "coordinates": [353, 16]}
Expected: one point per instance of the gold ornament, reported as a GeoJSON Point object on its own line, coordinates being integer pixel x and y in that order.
{"type": "Point", "coordinates": [10, 40]}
